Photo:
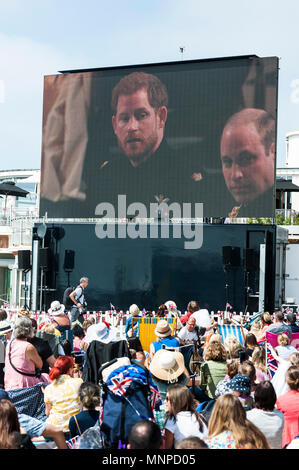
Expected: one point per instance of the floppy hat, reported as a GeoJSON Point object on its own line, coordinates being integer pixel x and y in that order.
{"type": "Point", "coordinates": [167, 365]}
{"type": "Point", "coordinates": [56, 308]}
{"type": "Point", "coordinates": [5, 327]}
{"type": "Point", "coordinates": [163, 329]}
{"type": "Point", "coordinates": [240, 383]}
{"type": "Point", "coordinates": [134, 310]}
{"type": "Point", "coordinates": [99, 332]}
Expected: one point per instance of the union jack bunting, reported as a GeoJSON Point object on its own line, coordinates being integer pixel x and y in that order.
{"type": "Point", "coordinates": [120, 384]}
{"type": "Point", "coordinates": [271, 363]}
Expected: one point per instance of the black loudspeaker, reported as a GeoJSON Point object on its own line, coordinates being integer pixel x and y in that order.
{"type": "Point", "coordinates": [44, 258]}
{"type": "Point", "coordinates": [250, 259]}
{"type": "Point", "coordinates": [69, 260]}
{"type": "Point", "coordinates": [24, 259]}
{"type": "Point", "coordinates": [231, 256]}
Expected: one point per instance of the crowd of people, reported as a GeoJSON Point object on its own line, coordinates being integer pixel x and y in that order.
{"type": "Point", "coordinates": [221, 396]}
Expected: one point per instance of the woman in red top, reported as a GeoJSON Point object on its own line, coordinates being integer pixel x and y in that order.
{"type": "Point", "coordinates": [288, 404]}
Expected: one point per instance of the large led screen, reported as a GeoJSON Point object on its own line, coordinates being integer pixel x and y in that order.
{"type": "Point", "coordinates": [177, 133]}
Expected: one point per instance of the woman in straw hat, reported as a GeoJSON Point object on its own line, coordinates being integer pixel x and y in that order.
{"type": "Point", "coordinates": [164, 336]}
{"type": "Point", "coordinates": [168, 368]}
{"type": "Point", "coordinates": [58, 317]}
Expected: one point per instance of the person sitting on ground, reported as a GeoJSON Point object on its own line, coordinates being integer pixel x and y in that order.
{"type": "Point", "coordinates": [230, 429]}
{"type": "Point", "coordinates": [231, 370]}
{"type": "Point", "coordinates": [62, 395]}
{"type": "Point", "coordinates": [291, 321]}
{"type": "Point", "coordinates": [43, 348]}
{"type": "Point", "coordinates": [279, 326]}
{"type": "Point", "coordinates": [264, 415]}
{"type": "Point", "coordinates": [288, 404]}
{"type": "Point", "coordinates": [145, 434]}
{"type": "Point", "coordinates": [132, 330]}
{"type": "Point", "coordinates": [164, 336]}
{"type": "Point", "coordinates": [214, 369]}
{"type": "Point", "coordinates": [259, 361]}
{"type": "Point", "coordinates": [182, 418]}
{"type": "Point", "coordinates": [22, 361]}
{"type": "Point", "coordinates": [89, 395]}
{"type": "Point", "coordinates": [240, 385]}
{"type": "Point", "coordinates": [284, 349]}
{"type": "Point", "coordinates": [265, 322]}
{"type": "Point", "coordinates": [10, 431]}
{"type": "Point", "coordinates": [250, 343]}
{"type": "Point", "coordinates": [191, 442]}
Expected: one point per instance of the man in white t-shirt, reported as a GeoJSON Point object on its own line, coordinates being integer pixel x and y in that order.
{"type": "Point", "coordinates": [191, 333]}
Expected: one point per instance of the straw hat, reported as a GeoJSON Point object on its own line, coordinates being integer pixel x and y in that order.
{"type": "Point", "coordinates": [167, 365]}
{"type": "Point", "coordinates": [163, 329]}
{"type": "Point", "coordinates": [56, 308]}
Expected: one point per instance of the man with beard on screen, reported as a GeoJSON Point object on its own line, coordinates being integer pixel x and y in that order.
{"type": "Point", "coordinates": [248, 161]}
{"type": "Point", "coordinates": [147, 170]}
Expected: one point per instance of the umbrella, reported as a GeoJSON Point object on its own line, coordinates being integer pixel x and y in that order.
{"type": "Point", "coordinates": [9, 188]}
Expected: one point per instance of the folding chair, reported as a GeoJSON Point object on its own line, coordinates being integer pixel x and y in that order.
{"type": "Point", "coordinates": [234, 330]}
{"type": "Point", "coordinates": [147, 326]}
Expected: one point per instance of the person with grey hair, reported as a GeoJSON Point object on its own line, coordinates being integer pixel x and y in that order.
{"type": "Point", "coordinates": [79, 300]}
{"type": "Point", "coordinates": [22, 361]}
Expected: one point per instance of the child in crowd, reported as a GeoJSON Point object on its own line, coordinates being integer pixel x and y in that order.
{"type": "Point", "coordinates": [240, 385]}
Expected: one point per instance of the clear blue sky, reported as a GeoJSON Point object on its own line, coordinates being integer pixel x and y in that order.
{"type": "Point", "coordinates": [40, 37]}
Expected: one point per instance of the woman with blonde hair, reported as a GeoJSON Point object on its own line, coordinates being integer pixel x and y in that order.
{"type": "Point", "coordinates": [214, 368]}
{"type": "Point", "coordinates": [265, 322]}
{"type": "Point", "coordinates": [230, 429]}
{"type": "Point", "coordinates": [284, 349]}
{"type": "Point", "coordinates": [259, 361]}
{"type": "Point", "coordinates": [182, 419]}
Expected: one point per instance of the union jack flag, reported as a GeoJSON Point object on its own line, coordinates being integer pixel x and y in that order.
{"type": "Point", "coordinates": [120, 384]}
{"type": "Point", "coordinates": [288, 310]}
{"type": "Point", "coordinates": [271, 363]}
{"type": "Point", "coordinates": [155, 397]}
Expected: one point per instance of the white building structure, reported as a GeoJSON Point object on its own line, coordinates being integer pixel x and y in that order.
{"type": "Point", "coordinates": [17, 216]}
